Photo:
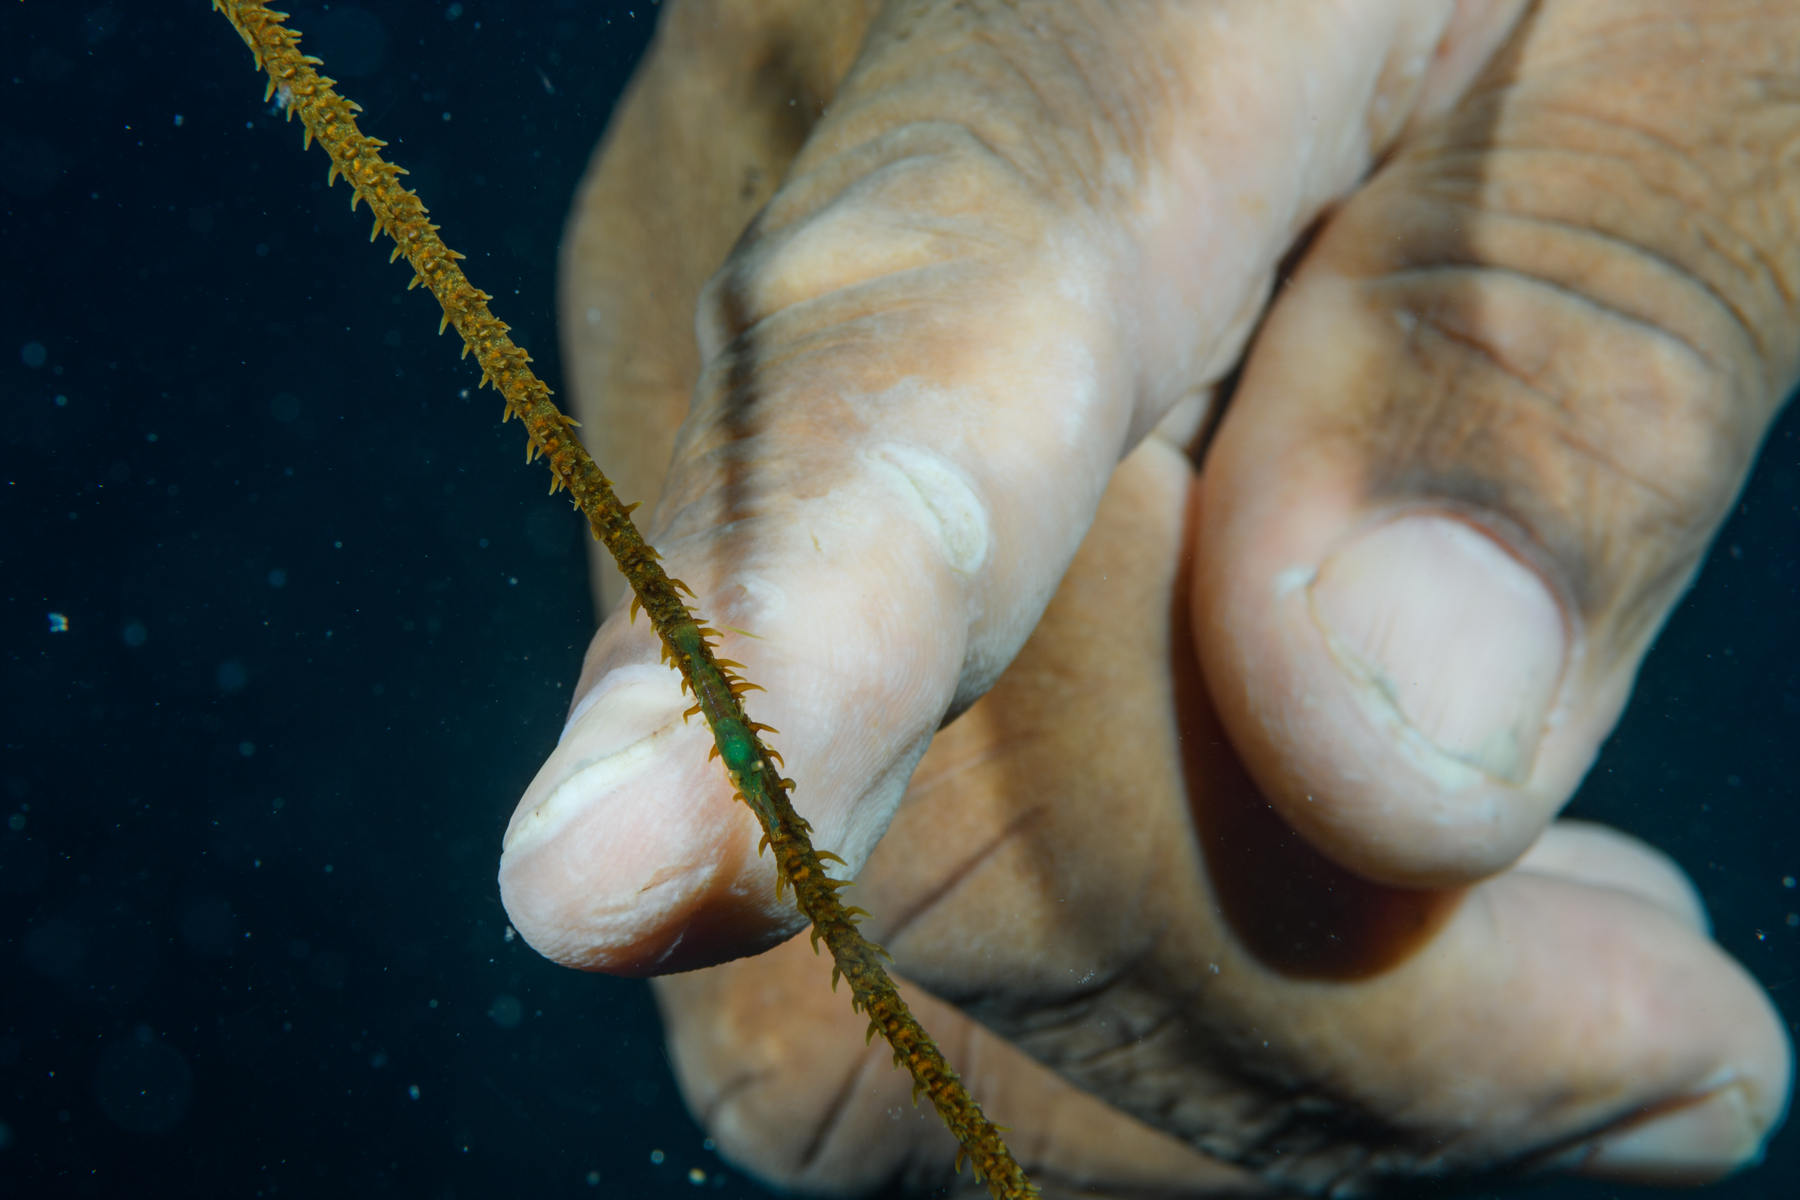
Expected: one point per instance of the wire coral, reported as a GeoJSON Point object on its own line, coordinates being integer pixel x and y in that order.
{"type": "Point", "coordinates": [687, 641]}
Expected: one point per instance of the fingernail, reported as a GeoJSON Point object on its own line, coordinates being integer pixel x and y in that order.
{"type": "Point", "coordinates": [613, 733]}
{"type": "Point", "coordinates": [1434, 620]}
{"type": "Point", "coordinates": [1692, 1144]}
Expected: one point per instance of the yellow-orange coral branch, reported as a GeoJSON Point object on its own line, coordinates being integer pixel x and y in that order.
{"type": "Point", "coordinates": [330, 120]}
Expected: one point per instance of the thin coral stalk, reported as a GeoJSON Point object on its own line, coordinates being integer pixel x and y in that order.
{"type": "Point", "coordinates": [687, 640]}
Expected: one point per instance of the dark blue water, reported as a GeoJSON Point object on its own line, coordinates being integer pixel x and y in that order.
{"type": "Point", "coordinates": [322, 623]}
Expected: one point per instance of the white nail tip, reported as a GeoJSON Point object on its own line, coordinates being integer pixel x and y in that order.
{"type": "Point", "coordinates": [574, 792]}
{"type": "Point", "coordinates": [615, 702]}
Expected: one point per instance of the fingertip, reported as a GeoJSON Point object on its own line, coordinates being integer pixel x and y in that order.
{"type": "Point", "coordinates": [626, 854]}
{"type": "Point", "coordinates": [1390, 678]}
{"type": "Point", "coordinates": [1720, 1128]}
{"type": "Point", "coordinates": [1402, 669]}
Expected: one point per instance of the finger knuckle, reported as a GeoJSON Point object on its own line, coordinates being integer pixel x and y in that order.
{"type": "Point", "coordinates": [1613, 443]}
{"type": "Point", "coordinates": [917, 197]}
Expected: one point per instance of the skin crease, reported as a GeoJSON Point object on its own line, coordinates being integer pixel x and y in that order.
{"type": "Point", "coordinates": [1164, 932]}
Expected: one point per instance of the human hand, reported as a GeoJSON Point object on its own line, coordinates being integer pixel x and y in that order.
{"type": "Point", "coordinates": [1115, 925]}
{"type": "Point", "coordinates": [1000, 259]}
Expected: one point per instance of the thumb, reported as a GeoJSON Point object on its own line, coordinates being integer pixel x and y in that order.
{"type": "Point", "coordinates": [996, 263]}
{"type": "Point", "coordinates": [1490, 429]}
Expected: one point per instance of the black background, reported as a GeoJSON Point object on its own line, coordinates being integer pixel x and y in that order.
{"type": "Point", "coordinates": [322, 623]}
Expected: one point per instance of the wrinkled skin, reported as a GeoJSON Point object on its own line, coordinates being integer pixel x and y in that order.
{"type": "Point", "coordinates": [1235, 870]}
